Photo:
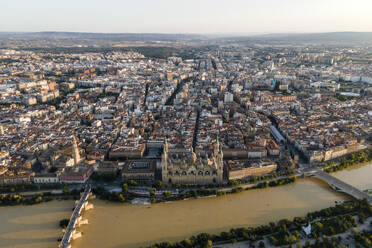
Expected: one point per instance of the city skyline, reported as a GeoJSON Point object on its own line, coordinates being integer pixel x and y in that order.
{"type": "Point", "coordinates": [202, 17]}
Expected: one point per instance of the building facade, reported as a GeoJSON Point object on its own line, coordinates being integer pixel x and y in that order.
{"type": "Point", "coordinates": [188, 168]}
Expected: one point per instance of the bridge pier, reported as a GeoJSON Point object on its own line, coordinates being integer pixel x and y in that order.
{"type": "Point", "coordinates": [76, 219]}
{"type": "Point", "coordinates": [89, 206]}
{"type": "Point", "coordinates": [75, 235]}
{"type": "Point", "coordinates": [80, 221]}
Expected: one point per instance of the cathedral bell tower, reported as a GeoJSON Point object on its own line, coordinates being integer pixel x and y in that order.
{"type": "Point", "coordinates": [75, 151]}
{"type": "Point", "coordinates": [164, 162]}
{"type": "Point", "coordinates": [218, 156]}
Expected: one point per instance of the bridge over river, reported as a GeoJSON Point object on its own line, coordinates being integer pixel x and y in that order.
{"type": "Point", "coordinates": [76, 219]}
{"type": "Point", "coordinates": [339, 185]}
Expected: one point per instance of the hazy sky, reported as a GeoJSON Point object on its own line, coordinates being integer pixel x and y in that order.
{"type": "Point", "coordinates": [186, 16]}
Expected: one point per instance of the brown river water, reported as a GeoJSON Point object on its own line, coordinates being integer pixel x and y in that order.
{"type": "Point", "coordinates": [33, 226]}
{"type": "Point", "coordinates": [115, 225]}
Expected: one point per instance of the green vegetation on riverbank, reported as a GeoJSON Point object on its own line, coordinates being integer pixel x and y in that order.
{"type": "Point", "coordinates": [12, 197]}
{"type": "Point", "coordinates": [285, 231]}
{"type": "Point", "coordinates": [255, 179]}
{"type": "Point", "coordinates": [348, 161]}
{"type": "Point", "coordinates": [275, 183]}
{"type": "Point", "coordinates": [202, 191]}
{"type": "Point", "coordinates": [16, 199]}
{"type": "Point", "coordinates": [104, 194]}
{"type": "Point", "coordinates": [28, 187]}
{"type": "Point", "coordinates": [363, 239]}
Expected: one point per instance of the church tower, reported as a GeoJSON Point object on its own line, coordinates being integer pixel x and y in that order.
{"type": "Point", "coordinates": [164, 163]}
{"type": "Point", "coordinates": [218, 156]}
{"type": "Point", "coordinates": [75, 151]}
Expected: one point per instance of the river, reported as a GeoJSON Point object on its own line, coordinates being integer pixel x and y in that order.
{"type": "Point", "coordinates": [115, 225]}
{"type": "Point", "coordinates": [35, 226]}
{"type": "Point", "coordinates": [359, 176]}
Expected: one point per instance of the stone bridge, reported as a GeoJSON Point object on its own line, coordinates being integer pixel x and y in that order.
{"type": "Point", "coordinates": [76, 219]}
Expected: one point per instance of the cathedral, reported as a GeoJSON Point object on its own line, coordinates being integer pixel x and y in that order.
{"type": "Point", "coordinates": [188, 168]}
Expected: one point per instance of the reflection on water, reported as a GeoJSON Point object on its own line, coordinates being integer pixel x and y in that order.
{"type": "Point", "coordinates": [33, 226]}
{"type": "Point", "coordinates": [116, 225]}
{"type": "Point", "coordinates": [358, 176]}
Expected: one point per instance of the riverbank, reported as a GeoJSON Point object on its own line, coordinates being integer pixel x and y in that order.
{"type": "Point", "coordinates": [355, 159]}
{"type": "Point", "coordinates": [14, 199]}
{"type": "Point", "coordinates": [35, 197]}
{"type": "Point", "coordinates": [132, 226]}
{"type": "Point", "coordinates": [325, 223]}
{"type": "Point", "coordinates": [193, 193]}
{"type": "Point", "coordinates": [17, 188]}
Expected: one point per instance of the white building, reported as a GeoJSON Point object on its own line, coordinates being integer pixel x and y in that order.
{"type": "Point", "coordinates": [46, 178]}
{"type": "Point", "coordinates": [228, 97]}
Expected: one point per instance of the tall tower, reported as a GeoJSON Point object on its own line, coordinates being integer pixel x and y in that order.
{"type": "Point", "coordinates": [75, 151]}
{"type": "Point", "coordinates": [164, 163]}
{"type": "Point", "coordinates": [218, 154]}
{"type": "Point", "coordinates": [2, 130]}
{"type": "Point", "coordinates": [216, 146]}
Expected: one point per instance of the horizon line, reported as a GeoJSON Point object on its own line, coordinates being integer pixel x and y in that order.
{"type": "Point", "coordinates": [184, 33]}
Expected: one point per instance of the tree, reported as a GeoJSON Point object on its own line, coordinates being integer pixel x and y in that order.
{"type": "Point", "coordinates": [187, 243]}
{"type": "Point", "coordinates": [209, 244]}
{"type": "Point", "coordinates": [66, 191]}
{"type": "Point", "coordinates": [318, 225]}
{"type": "Point", "coordinates": [158, 184]}
{"type": "Point", "coordinates": [152, 192]}
{"type": "Point", "coordinates": [233, 182]}
{"type": "Point", "coordinates": [125, 188]}
{"type": "Point", "coordinates": [167, 194]}
{"type": "Point", "coordinates": [121, 198]}
{"type": "Point", "coordinates": [132, 183]}
{"type": "Point", "coordinates": [63, 223]}
{"type": "Point", "coordinates": [38, 199]}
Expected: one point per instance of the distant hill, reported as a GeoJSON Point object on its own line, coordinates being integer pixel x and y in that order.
{"type": "Point", "coordinates": [331, 38]}
{"type": "Point", "coordinates": [116, 37]}
{"type": "Point", "coordinates": [101, 39]}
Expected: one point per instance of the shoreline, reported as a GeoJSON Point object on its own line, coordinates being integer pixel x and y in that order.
{"type": "Point", "coordinates": [353, 167]}
{"type": "Point", "coordinates": [349, 161]}
{"type": "Point", "coordinates": [255, 192]}
{"type": "Point", "coordinates": [278, 234]}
